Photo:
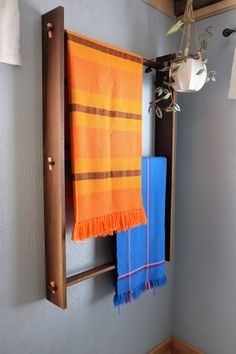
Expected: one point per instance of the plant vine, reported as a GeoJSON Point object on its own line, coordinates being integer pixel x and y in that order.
{"type": "Point", "coordinates": [165, 91]}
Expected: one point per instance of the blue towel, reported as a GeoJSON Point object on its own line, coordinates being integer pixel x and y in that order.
{"type": "Point", "coordinates": [141, 250]}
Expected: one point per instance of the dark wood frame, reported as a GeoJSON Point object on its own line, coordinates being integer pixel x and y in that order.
{"type": "Point", "coordinates": [54, 160]}
{"type": "Point", "coordinates": [165, 131]}
{"type": "Point", "coordinates": [53, 153]}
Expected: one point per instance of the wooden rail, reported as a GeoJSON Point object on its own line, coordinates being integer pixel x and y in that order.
{"type": "Point", "coordinates": [94, 272]}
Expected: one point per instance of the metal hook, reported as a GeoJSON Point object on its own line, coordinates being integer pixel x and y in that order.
{"type": "Point", "coordinates": [227, 32]}
{"type": "Point", "coordinates": [148, 70]}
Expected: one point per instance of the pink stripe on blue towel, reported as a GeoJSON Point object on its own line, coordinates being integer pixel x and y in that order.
{"type": "Point", "coordinates": [141, 250]}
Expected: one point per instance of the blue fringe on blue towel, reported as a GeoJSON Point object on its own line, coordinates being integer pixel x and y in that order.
{"type": "Point", "coordinates": [141, 250]}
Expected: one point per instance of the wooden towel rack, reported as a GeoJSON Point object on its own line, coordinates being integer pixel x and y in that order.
{"type": "Point", "coordinates": [54, 160]}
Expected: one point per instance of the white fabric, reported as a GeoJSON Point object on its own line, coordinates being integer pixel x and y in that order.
{"type": "Point", "coordinates": [10, 32]}
{"type": "Point", "coordinates": [232, 89]}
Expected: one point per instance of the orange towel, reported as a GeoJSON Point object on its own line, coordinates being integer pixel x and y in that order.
{"type": "Point", "coordinates": [105, 104]}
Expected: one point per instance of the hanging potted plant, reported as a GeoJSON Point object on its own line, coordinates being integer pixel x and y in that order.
{"type": "Point", "coordinates": [187, 72]}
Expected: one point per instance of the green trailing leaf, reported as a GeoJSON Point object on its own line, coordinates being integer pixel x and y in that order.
{"type": "Point", "coordinates": [167, 96]}
{"type": "Point", "coordinates": [200, 71]}
{"type": "Point", "coordinates": [204, 44]}
{"type": "Point", "coordinates": [176, 107]}
{"type": "Point", "coordinates": [169, 109]}
{"type": "Point", "coordinates": [212, 73]}
{"type": "Point", "coordinates": [175, 28]}
{"type": "Point", "coordinates": [166, 91]}
{"type": "Point", "coordinates": [174, 69]}
{"type": "Point", "coordinates": [159, 112]}
{"type": "Point", "coordinates": [166, 68]}
{"type": "Point", "coordinates": [208, 32]}
{"type": "Point", "coordinates": [208, 35]}
{"type": "Point", "coordinates": [158, 100]}
{"type": "Point", "coordinates": [151, 104]}
{"type": "Point", "coordinates": [211, 76]}
{"type": "Point", "coordinates": [205, 62]}
{"type": "Point", "coordinates": [159, 90]}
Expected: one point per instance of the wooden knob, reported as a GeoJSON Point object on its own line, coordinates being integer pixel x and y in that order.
{"type": "Point", "coordinates": [49, 30]}
{"type": "Point", "coordinates": [51, 163]}
{"type": "Point", "coordinates": [52, 287]}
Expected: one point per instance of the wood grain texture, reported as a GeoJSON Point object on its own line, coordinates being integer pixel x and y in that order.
{"type": "Point", "coordinates": [163, 348]}
{"type": "Point", "coordinates": [94, 272]}
{"type": "Point", "coordinates": [53, 146]}
{"type": "Point", "coordinates": [203, 8]}
{"type": "Point", "coordinates": [180, 347]}
{"type": "Point", "coordinates": [179, 5]}
{"type": "Point", "coordinates": [165, 6]}
{"type": "Point", "coordinates": [175, 346]}
{"type": "Point", "coordinates": [165, 132]}
{"type": "Point", "coordinates": [215, 9]}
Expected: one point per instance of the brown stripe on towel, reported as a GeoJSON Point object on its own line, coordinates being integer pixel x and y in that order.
{"type": "Point", "coordinates": [75, 107]}
{"type": "Point", "coordinates": [107, 174]}
{"type": "Point", "coordinates": [102, 48]}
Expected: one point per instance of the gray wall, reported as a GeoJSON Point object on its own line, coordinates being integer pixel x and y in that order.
{"type": "Point", "coordinates": [205, 262]}
{"type": "Point", "coordinates": [28, 323]}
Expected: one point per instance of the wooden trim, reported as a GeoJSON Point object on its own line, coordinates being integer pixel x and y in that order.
{"type": "Point", "coordinates": [180, 347]}
{"type": "Point", "coordinates": [215, 9]}
{"type": "Point", "coordinates": [94, 272]}
{"type": "Point", "coordinates": [165, 131]}
{"type": "Point", "coordinates": [175, 346]}
{"type": "Point", "coordinates": [165, 6]}
{"type": "Point", "coordinates": [53, 155]}
{"type": "Point", "coordinates": [163, 348]}
{"type": "Point", "coordinates": [181, 4]}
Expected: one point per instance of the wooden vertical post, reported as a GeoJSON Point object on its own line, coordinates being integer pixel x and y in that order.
{"type": "Point", "coordinates": [165, 146]}
{"type": "Point", "coordinates": [53, 155]}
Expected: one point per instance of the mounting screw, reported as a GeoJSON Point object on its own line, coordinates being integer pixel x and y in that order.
{"type": "Point", "coordinates": [52, 287]}
{"type": "Point", "coordinates": [51, 163]}
{"type": "Point", "coordinates": [49, 29]}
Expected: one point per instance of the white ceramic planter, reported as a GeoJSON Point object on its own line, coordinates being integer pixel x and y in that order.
{"type": "Point", "coordinates": [186, 78]}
